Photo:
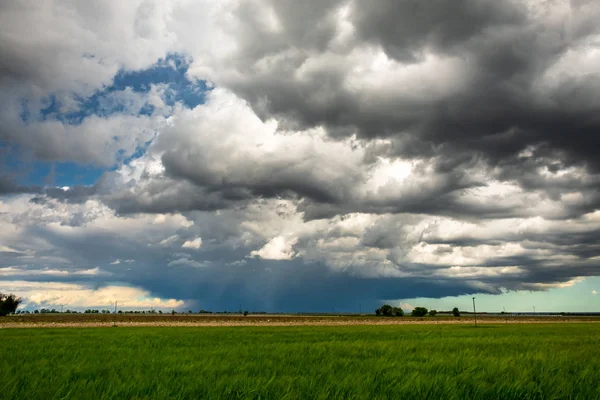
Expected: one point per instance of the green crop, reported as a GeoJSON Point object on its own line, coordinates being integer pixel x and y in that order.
{"type": "Point", "coordinates": [538, 361]}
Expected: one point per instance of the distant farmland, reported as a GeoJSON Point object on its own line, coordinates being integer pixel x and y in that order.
{"type": "Point", "coordinates": [94, 320]}
{"type": "Point", "coordinates": [492, 361]}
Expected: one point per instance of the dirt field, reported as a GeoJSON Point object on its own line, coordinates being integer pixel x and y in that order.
{"type": "Point", "coordinates": [108, 320]}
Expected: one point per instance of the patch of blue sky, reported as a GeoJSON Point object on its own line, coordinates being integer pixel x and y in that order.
{"type": "Point", "coordinates": [581, 296]}
{"type": "Point", "coordinates": [126, 159]}
{"type": "Point", "coordinates": [28, 172]}
{"type": "Point", "coordinates": [170, 72]}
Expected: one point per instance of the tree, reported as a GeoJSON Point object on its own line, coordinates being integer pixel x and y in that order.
{"type": "Point", "coordinates": [388, 311]}
{"type": "Point", "coordinates": [432, 313]}
{"type": "Point", "coordinates": [246, 313]}
{"type": "Point", "coordinates": [8, 304]}
{"type": "Point", "coordinates": [455, 312]}
{"type": "Point", "coordinates": [419, 312]}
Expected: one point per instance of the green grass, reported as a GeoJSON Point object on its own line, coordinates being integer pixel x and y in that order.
{"type": "Point", "coordinates": [557, 361]}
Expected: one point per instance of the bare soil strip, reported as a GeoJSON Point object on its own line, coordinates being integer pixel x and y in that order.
{"type": "Point", "coordinates": [284, 321]}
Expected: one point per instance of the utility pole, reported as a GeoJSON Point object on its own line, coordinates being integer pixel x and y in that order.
{"type": "Point", "coordinates": [359, 308]}
{"type": "Point", "coordinates": [474, 312]}
{"type": "Point", "coordinates": [115, 323]}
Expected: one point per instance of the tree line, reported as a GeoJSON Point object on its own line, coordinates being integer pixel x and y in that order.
{"type": "Point", "coordinates": [388, 311]}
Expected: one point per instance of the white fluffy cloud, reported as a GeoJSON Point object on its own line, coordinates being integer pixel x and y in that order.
{"type": "Point", "coordinates": [192, 244]}
{"type": "Point", "coordinates": [19, 271]}
{"type": "Point", "coordinates": [277, 248]}
{"type": "Point", "coordinates": [81, 296]}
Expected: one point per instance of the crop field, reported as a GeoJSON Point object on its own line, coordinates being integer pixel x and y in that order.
{"type": "Point", "coordinates": [451, 361]}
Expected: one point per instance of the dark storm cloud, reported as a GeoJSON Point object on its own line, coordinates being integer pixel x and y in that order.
{"type": "Point", "coordinates": [272, 180]}
{"type": "Point", "coordinates": [8, 185]}
{"type": "Point", "coordinates": [285, 286]}
{"type": "Point", "coordinates": [498, 113]}
{"type": "Point", "coordinates": [403, 28]}
{"type": "Point", "coordinates": [76, 194]}
{"type": "Point", "coordinates": [167, 196]}
{"type": "Point", "coordinates": [219, 284]}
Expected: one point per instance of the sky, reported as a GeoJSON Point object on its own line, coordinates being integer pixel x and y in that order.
{"type": "Point", "coordinates": [300, 156]}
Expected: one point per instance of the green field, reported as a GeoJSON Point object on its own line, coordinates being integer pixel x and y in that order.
{"type": "Point", "coordinates": [543, 361]}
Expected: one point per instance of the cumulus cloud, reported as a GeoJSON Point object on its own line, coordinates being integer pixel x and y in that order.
{"type": "Point", "coordinates": [192, 244]}
{"type": "Point", "coordinates": [186, 262]}
{"type": "Point", "coordinates": [277, 248]}
{"type": "Point", "coordinates": [40, 294]}
{"type": "Point", "coordinates": [451, 145]}
{"type": "Point", "coordinates": [20, 272]}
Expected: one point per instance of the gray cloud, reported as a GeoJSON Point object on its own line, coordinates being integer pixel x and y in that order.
{"type": "Point", "coordinates": [505, 60]}
{"type": "Point", "coordinates": [404, 28]}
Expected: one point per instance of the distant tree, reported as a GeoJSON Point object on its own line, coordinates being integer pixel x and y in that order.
{"type": "Point", "coordinates": [432, 313]}
{"type": "Point", "coordinates": [386, 310]}
{"type": "Point", "coordinates": [246, 313]}
{"type": "Point", "coordinates": [36, 311]}
{"type": "Point", "coordinates": [455, 312]}
{"type": "Point", "coordinates": [173, 312]}
{"type": "Point", "coordinates": [190, 312]}
{"type": "Point", "coordinates": [160, 311]}
{"type": "Point", "coordinates": [8, 304]}
{"type": "Point", "coordinates": [419, 312]}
